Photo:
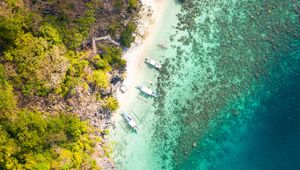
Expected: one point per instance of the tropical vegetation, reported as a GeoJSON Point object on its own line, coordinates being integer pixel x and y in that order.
{"type": "Point", "coordinates": [43, 56]}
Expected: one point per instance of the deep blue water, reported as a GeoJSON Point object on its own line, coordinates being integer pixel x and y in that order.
{"type": "Point", "coordinates": [238, 70]}
{"type": "Point", "coordinates": [272, 137]}
{"type": "Point", "coordinates": [266, 134]}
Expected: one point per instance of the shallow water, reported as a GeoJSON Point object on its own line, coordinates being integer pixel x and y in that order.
{"type": "Point", "coordinates": [134, 150]}
{"type": "Point", "coordinates": [230, 87]}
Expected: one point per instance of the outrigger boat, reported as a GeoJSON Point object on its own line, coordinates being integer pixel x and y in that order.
{"type": "Point", "coordinates": [153, 63]}
{"type": "Point", "coordinates": [147, 91]}
{"type": "Point", "coordinates": [129, 120]}
{"type": "Point", "coordinates": [162, 46]}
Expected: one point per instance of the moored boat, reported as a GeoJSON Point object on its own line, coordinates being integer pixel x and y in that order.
{"type": "Point", "coordinates": [129, 120]}
{"type": "Point", "coordinates": [153, 63]}
{"type": "Point", "coordinates": [147, 91]}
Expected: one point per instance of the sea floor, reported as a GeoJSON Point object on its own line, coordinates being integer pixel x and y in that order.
{"type": "Point", "coordinates": [228, 90]}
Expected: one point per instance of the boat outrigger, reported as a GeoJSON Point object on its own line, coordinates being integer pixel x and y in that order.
{"type": "Point", "coordinates": [147, 91]}
{"type": "Point", "coordinates": [153, 63]}
{"type": "Point", "coordinates": [129, 120]}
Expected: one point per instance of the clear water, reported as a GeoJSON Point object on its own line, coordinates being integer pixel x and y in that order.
{"type": "Point", "coordinates": [229, 90]}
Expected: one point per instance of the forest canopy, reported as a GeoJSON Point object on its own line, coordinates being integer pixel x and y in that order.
{"type": "Point", "coordinates": [30, 139]}
{"type": "Point", "coordinates": [43, 56]}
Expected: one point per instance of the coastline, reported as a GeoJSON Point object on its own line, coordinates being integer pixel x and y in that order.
{"type": "Point", "coordinates": [135, 55]}
{"type": "Point", "coordinates": [138, 150]}
{"type": "Point", "coordinates": [152, 11]}
{"type": "Point", "coordinates": [134, 149]}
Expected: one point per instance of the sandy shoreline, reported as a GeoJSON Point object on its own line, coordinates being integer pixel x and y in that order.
{"type": "Point", "coordinates": [135, 55]}
{"type": "Point", "coordinates": [133, 150]}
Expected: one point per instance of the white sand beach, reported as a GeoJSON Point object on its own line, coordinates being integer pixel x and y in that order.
{"type": "Point", "coordinates": [153, 29]}
{"type": "Point", "coordinates": [147, 26]}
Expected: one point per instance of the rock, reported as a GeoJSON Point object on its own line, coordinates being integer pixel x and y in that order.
{"type": "Point", "coordinates": [115, 79]}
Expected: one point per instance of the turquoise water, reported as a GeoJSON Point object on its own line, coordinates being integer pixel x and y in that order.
{"type": "Point", "coordinates": [229, 90]}
{"type": "Point", "coordinates": [135, 150]}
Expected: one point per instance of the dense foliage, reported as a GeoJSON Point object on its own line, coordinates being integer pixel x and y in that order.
{"type": "Point", "coordinates": [126, 37]}
{"type": "Point", "coordinates": [112, 55]}
{"type": "Point", "coordinates": [133, 4]}
{"type": "Point", "coordinates": [38, 49]}
{"type": "Point", "coordinates": [111, 103]}
{"type": "Point", "coordinates": [32, 140]}
{"type": "Point", "coordinates": [7, 98]}
{"type": "Point", "coordinates": [29, 140]}
{"type": "Point", "coordinates": [41, 55]}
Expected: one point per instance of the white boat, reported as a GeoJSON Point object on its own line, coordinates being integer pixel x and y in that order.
{"type": "Point", "coordinates": [147, 91]}
{"type": "Point", "coordinates": [153, 63]}
{"type": "Point", "coordinates": [129, 120]}
{"type": "Point", "coordinates": [162, 46]}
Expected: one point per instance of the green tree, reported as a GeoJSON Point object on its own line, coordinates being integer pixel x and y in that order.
{"type": "Point", "coordinates": [8, 148]}
{"type": "Point", "coordinates": [76, 74]}
{"type": "Point", "coordinates": [103, 65]}
{"type": "Point", "coordinates": [73, 38]}
{"type": "Point", "coordinates": [100, 79]}
{"type": "Point", "coordinates": [111, 103]}
{"type": "Point", "coordinates": [133, 4]}
{"type": "Point", "coordinates": [34, 60]}
{"type": "Point", "coordinates": [13, 20]}
{"type": "Point", "coordinates": [26, 141]}
{"type": "Point", "coordinates": [7, 99]}
{"type": "Point", "coordinates": [127, 37]}
{"type": "Point", "coordinates": [87, 20]}
{"type": "Point", "coordinates": [50, 33]}
{"type": "Point", "coordinates": [28, 128]}
{"type": "Point", "coordinates": [113, 56]}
